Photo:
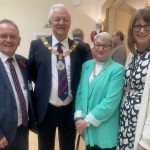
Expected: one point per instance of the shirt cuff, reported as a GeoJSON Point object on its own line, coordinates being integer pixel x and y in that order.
{"type": "Point", "coordinates": [90, 119]}
{"type": "Point", "coordinates": [78, 114]}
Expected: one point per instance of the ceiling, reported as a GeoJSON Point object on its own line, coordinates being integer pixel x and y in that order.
{"type": "Point", "coordinates": [136, 4]}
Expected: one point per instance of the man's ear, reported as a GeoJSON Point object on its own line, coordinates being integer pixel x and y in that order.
{"type": "Point", "coordinates": [19, 41]}
{"type": "Point", "coordinates": [50, 23]}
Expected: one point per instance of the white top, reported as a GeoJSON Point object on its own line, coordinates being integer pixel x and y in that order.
{"type": "Point", "coordinates": [96, 71]}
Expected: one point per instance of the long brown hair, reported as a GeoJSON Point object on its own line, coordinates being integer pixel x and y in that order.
{"type": "Point", "coordinates": [139, 14]}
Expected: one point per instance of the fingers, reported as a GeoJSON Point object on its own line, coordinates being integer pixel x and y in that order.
{"type": "Point", "coordinates": [3, 142]}
{"type": "Point", "coordinates": [80, 126]}
{"type": "Point", "coordinates": [80, 131]}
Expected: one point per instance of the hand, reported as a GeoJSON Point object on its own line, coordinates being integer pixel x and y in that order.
{"type": "Point", "coordinates": [3, 142]}
{"type": "Point", "coordinates": [80, 126]}
{"type": "Point", "coordinates": [140, 147]}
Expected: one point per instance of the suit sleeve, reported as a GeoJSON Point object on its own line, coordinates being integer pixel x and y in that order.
{"type": "Point", "coordinates": [1, 134]}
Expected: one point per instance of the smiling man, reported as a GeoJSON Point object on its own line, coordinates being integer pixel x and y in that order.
{"type": "Point", "coordinates": [55, 66]}
{"type": "Point", "coordinates": [15, 95]}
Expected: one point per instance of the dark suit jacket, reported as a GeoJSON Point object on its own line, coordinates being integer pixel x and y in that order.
{"type": "Point", "coordinates": [8, 108]}
{"type": "Point", "coordinates": [41, 72]}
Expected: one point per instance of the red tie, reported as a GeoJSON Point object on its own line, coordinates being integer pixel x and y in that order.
{"type": "Point", "coordinates": [62, 75]}
{"type": "Point", "coordinates": [19, 92]}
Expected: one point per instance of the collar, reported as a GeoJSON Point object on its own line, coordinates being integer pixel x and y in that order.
{"type": "Point", "coordinates": [64, 43]}
{"type": "Point", "coordinates": [5, 57]}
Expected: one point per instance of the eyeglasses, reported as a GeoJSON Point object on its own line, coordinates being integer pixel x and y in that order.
{"type": "Point", "coordinates": [98, 46]}
{"type": "Point", "coordinates": [146, 27]}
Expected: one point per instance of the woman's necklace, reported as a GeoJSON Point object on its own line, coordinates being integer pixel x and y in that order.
{"type": "Point", "coordinates": [104, 67]}
{"type": "Point", "coordinates": [94, 72]}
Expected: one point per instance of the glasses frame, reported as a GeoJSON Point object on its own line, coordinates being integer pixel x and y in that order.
{"type": "Point", "coordinates": [137, 28]}
{"type": "Point", "coordinates": [103, 46]}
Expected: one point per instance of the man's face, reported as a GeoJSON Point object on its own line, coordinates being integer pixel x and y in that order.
{"type": "Point", "coordinates": [9, 39]}
{"type": "Point", "coordinates": [115, 38]}
{"type": "Point", "coordinates": [60, 23]}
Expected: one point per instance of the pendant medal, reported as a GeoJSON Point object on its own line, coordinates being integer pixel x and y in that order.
{"type": "Point", "coordinates": [60, 65]}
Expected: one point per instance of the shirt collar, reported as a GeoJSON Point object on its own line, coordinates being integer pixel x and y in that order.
{"type": "Point", "coordinates": [64, 43]}
{"type": "Point", "coordinates": [5, 57]}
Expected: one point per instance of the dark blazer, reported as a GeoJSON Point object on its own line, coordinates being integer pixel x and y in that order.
{"type": "Point", "coordinates": [8, 108]}
{"type": "Point", "coordinates": [41, 72]}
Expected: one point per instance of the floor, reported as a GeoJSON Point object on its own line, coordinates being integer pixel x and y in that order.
{"type": "Point", "coordinates": [33, 144]}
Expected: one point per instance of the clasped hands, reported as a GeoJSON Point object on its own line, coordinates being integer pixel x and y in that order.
{"type": "Point", "coordinates": [3, 142]}
{"type": "Point", "coordinates": [80, 126]}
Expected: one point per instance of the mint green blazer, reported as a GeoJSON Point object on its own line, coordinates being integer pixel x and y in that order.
{"type": "Point", "coordinates": [102, 99]}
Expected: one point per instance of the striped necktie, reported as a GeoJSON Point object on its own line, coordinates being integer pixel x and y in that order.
{"type": "Point", "coordinates": [62, 75]}
{"type": "Point", "coordinates": [19, 92]}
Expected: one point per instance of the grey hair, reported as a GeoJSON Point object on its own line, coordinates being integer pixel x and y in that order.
{"type": "Point", "coordinates": [7, 21]}
{"type": "Point", "coordinates": [51, 12]}
{"type": "Point", "coordinates": [104, 36]}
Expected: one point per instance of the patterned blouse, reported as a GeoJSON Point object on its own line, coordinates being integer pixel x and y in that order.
{"type": "Point", "coordinates": [134, 85]}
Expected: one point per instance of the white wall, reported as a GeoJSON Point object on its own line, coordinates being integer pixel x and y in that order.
{"type": "Point", "coordinates": [30, 15]}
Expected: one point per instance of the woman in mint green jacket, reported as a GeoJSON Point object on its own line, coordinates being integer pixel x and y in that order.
{"type": "Point", "coordinates": [98, 98]}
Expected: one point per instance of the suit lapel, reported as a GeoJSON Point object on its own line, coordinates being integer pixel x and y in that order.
{"type": "Point", "coordinates": [72, 58]}
{"type": "Point", "coordinates": [90, 85]}
{"type": "Point", "coordinates": [4, 78]}
{"type": "Point", "coordinates": [49, 58]}
{"type": "Point", "coordinates": [49, 55]}
{"type": "Point", "coordinates": [96, 81]}
{"type": "Point", "coordinates": [49, 39]}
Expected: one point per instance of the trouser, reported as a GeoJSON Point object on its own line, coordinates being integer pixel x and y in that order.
{"type": "Point", "coordinates": [61, 118]}
{"type": "Point", "coordinates": [21, 140]}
